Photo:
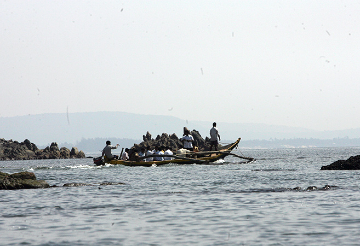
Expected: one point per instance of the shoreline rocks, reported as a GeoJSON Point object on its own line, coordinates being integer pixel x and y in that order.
{"type": "Point", "coordinates": [353, 163]}
{"type": "Point", "coordinates": [13, 150]}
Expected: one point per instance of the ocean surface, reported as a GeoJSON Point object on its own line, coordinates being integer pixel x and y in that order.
{"type": "Point", "coordinates": [266, 202]}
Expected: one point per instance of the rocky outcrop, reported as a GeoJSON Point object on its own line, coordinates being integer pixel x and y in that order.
{"type": "Point", "coordinates": [22, 180]}
{"type": "Point", "coordinates": [13, 150]}
{"type": "Point", "coordinates": [172, 141]}
{"type": "Point", "coordinates": [353, 163]}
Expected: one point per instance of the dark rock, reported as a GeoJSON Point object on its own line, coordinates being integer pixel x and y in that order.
{"type": "Point", "coordinates": [112, 183]}
{"type": "Point", "coordinates": [22, 180]}
{"type": "Point", "coordinates": [23, 175]}
{"type": "Point", "coordinates": [314, 188]}
{"type": "Point", "coordinates": [198, 140]}
{"type": "Point", "coordinates": [64, 153]}
{"type": "Point", "coordinates": [166, 140]}
{"type": "Point", "coordinates": [174, 137]}
{"type": "Point", "coordinates": [13, 150]}
{"type": "Point", "coordinates": [54, 152]}
{"type": "Point", "coordinates": [81, 154]}
{"type": "Point", "coordinates": [353, 163]}
{"type": "Point", "coordinates": [147, 137]}
{"type": "Point", "coordinates": [76, 184]}
{"type": "Point", "coordinates": [310, 188]}
{"type": "Point", "coordinates": [74, 151]}
{"type": "Point", "coordinates": [54, 147]}
{"type": "Point", "coordinates": [84, 184]}
{"type": "Point", "coordinates": [30, 146]}
{"type": "Point", "coordinates": [328, 187]}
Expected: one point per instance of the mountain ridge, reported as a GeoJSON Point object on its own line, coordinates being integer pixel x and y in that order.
{"type": "Point", "coordinates": [43, 129]}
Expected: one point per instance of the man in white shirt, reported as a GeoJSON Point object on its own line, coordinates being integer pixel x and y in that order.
{"type": "Point", "coordinates": [106, 153]}
{"type": "Point", "coordinates": [158, 152]}
{"type": "Point", "coordinates": [168, 152]}
{"type": "Point", "coordinates": [125, 155]}
{"type": "Point", "coordinates": [214, 135]}
{"type": "Point", "coordinates": [142, 153]}
{"type": "Point", "coordinates": [149, 152]}
{"type": "Point", "coordinates": [187, 140]}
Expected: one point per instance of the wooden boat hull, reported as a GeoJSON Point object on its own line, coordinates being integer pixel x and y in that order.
{"type": "Point", "coordinates": [209, 158]}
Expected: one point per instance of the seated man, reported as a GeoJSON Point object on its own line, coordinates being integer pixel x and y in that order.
{"type": "Point", "coordinates": [125, 155]}
{"type": "Point", "coordinates": [134, 156]}
{"type": "Point", "coordinates": [142, 152]}
{"type": "Point", "coordinates": [106, 153]}
{"type": "Point", "coordinates": [168, 152]}
{"type": "Point", "coordinates": [158, 152]}
{"type": "Point", "coordinates": [149, 152]}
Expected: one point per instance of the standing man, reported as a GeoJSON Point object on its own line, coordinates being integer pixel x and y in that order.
{"type": "Point", "coordinates": [106, 153]}
{"type": "Point", "coordinates": [214, 135]}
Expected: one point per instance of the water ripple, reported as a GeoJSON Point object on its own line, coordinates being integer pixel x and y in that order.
{"type": "Point", "coordinates": [282, 199]}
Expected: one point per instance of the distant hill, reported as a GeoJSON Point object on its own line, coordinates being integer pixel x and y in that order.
{"type": "Point", "coordinates": [71, 128]}
{"type": "Point", "coordinates": [46, 128]}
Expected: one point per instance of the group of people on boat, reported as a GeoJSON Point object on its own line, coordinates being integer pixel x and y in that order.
{"type": "Point", "coordinates": [188, 139]}
{"type": "Point", "coordinates": [156, 154]}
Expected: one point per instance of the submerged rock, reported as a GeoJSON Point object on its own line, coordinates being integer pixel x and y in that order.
{"type": "Point", "coordinates": [22, 180]}
{"type": "Point", "coordinates": [353, 163]}
{"type": "Point", "coordinates": [310, 188]}
{"type": "Point", "coordinates": [27, 180]}
{"type": "Point", "coordinates": [76, 184]}
{"type": "Point", "coordinates": [112, 183]}
{"type": "Point", "coordinates": [85, 184]}
{"type": "Point", "coordinates": [314, 188]}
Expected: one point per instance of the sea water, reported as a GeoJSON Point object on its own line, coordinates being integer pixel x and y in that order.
{"type": "Point", "coordinates": [262, 203]}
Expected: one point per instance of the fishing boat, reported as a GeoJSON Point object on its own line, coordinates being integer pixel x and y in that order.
{"type": "Point", "coordinates": [201, 157]}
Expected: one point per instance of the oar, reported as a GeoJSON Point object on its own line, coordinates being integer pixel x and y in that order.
{"type": "Point", "coordinates": [243, 157]}
{"type": "Point", "coordinates": [208, 152]}
{"type": "Point", "coordinates": [121, 153]}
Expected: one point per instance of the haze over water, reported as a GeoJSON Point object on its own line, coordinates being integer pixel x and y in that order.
{"type": "Point", "coordinates": [272, 62]}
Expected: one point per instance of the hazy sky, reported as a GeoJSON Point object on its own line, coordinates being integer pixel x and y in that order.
{"type": "Point", "coordinates": [293, 63]}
